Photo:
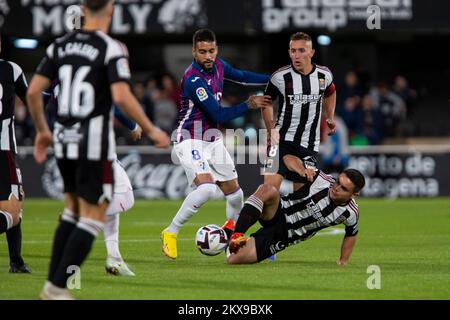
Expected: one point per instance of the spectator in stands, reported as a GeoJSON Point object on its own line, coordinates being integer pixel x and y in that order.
{"type": "Point", "coordinates": [144, 97]}
{"type": "Point", "coordinates": [392, 108]}
{"type": "Point", "coordinates": [351, 88]}
{"type": "Point", "coordinates": [349, 115]}
{"type": "Point", "coordinates": [335, 149]}
{"type": "Point", "coordinates": [165, 111]}
{"type": "Point", "coordinates": [409, 95]}
{"type": "Point", "coordinates": [369, 120]}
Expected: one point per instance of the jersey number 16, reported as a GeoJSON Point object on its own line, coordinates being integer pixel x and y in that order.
{"type": "Point", "coordinates": [76, 96]}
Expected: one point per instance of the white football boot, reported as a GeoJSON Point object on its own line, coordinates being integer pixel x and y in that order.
{"type": "Point", "coordinates": [118, 267]}
{"type": "Point", "coordinates": [52, 292]}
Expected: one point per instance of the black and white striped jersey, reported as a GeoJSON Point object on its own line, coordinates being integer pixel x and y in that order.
{"type": "Point", "coordinates": [12, 84]}
{"type": "Point", "coordinates": [300, 103]}
{"type": "Point", "coordinates": [311, 209]}
{"type": "Point", "coordinates": [85, 64]}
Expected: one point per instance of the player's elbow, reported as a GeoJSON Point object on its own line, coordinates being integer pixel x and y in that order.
{"type": "Point", "coordinates": [120, 93]}
{"type": "Point", "coordinates": [32, 94]}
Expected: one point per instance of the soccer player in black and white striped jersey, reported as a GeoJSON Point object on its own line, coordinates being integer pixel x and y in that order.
{"type": "Point", "coordinates": [303, 89]}
{"type": "Point", "coordinates": [12, 84]}
{"type": "Point", "coordinates": [92, 71]}
{"type": "Point", "coordinates": [319, 204]}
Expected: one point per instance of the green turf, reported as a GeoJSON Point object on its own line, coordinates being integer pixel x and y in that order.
{"type": "Point", "coordinates": [408, 239]}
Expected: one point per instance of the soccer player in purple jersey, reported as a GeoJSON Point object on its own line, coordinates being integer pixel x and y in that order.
{"type": "Point", "coordinates": [197, 141]}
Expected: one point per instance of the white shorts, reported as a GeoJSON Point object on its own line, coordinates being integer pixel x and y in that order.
{"type": "Point", "coordinates": [122, 183]}
{"type": "Point", "coordinates": [123, 197]}
{"type": "Point", "coordinates": [200, 157]}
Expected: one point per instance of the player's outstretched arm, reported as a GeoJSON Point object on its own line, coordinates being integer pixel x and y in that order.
{"type": "Point", "coordinates": [197, 90]}
{"type": "Point", "coordinates": [348, 243]}
{"type": "Point", "coordinates": [243, 76]}
{"type": "Point", "coordinates": [36, 107]}
{"type": "Point", "coordinates": [294, 164]}
{"type": "Point", "coordinates": [124, 98]}
{"type": "Point", "coordinates": [329, 105]}
{"type": "Point", "coordinates": [135, 129]}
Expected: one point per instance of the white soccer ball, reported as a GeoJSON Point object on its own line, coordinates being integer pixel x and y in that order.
{"type": "Point", "coordinates": [211, 240]}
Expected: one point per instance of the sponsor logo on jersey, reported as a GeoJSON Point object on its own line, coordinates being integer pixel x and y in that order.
{"type": "Point", "coordinates": [201, 94]}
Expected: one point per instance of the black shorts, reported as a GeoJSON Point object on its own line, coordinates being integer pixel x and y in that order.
{"type": "Point", "coordinates": [10, 177]}
{"type": "Point", "coordinates": [275, 163]}
{"type": "Point", "coordinates": [272, 237]}
{"type": "Point", "coordinates": [92, 181]}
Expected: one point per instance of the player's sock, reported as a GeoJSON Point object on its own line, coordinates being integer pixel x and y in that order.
{"type": "Point", "coordinates": [235, 202]}
{"type": "Point", "coordinates": [111, 233]}
{"type": "Point", "coordinates": [14, 238]}
{"type": "Point", "coordinates": [66, 225]}
{"type": "Point", "coordinates": [250, 213]}
{"type": "Point", "coordinates": [77, 249]}
{"type": "Point", "coordinates": [191, 204]}
{"type": "Point", "coordinates": [6, 221]}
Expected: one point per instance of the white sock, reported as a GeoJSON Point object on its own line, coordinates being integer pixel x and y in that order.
{"type": "Point", "coordinates": [286, 187]}
{"type": "Point", "coordinates": [191, 204]}
{"type": "Point", "coordinates": [121, 202]}
{"type": "Point", "coordinates": [111, 233]}
{"type": "Point", "coordinates": [235, 202]}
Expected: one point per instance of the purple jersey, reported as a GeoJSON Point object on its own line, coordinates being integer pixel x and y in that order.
{"type": "Point", "coordinates": [201, 92]}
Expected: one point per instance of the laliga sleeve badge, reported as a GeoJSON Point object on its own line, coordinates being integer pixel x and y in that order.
{"type": "Point", "coordinates": [201, 94]}
{"type": "Point", "coordinates": [123, 69]}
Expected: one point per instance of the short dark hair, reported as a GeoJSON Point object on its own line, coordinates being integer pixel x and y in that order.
{"type": "Point", "coordinates": [95, 5]}
{"type": "Point", "coordinates": [356, 177]}
{"type": "Point", "coordinates": [301, 36]}
{"type": "Point", "coordinates": [206, 35]}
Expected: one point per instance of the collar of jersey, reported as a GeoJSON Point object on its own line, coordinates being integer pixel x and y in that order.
{"type": "Point", "coordinates": [305, 75]}
{"type": "Point", "coordinates": [199, 67]}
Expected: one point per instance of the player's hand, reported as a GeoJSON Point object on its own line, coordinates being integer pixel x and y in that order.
{"type": "Point", "coordinates": [310, 173]}
{"type": "Point", "coordinates": [342, 262]}
{"type": "Point", "coordinates": [41, 142]}
{"type": "Point", "coordinates": [160, 138]}
{"type": "Point", "coordinates": [136, 133]}
{"type": "Point", "coordinates": [331, 124]}
{"type": "Point", "coordinates": [259, 102]}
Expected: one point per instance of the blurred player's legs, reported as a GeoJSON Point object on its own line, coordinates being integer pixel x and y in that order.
{"type": "Point", "coordinates": [93, 183]}
{"type": "Point", "coordinates": [123, 200]}
{"type": "Point", "coordinates": [11, 196]}
{"type": "Point", "coordinates": [114, 261]}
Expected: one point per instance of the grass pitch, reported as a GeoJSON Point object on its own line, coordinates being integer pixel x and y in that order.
{"type": "Point", "coordinates": [409, 240]}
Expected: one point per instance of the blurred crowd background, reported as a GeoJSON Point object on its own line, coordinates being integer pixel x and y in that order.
{"type": "Point", "coordinates": [391, 81]}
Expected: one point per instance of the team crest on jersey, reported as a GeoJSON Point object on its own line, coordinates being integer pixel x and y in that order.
{"type": "Point", "coordinates": [322, 84]}
{"type": "Point", "coordinates": [123, 69]}
{"type": "Point", "coordinates": [201, 94]}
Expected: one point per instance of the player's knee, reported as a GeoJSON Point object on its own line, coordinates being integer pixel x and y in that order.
{"type": "Point", "coordinates": [266, 192]}
{"type": "Point", "coordinates": [16, 219]}
{"type": "Point", "coordinates": [128, 200]}
{"type": "Point", "coordinates": [207, 190]}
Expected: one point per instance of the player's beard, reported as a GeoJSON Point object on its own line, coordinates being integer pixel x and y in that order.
{"type": "Point", "coordinates": [210, 63]}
